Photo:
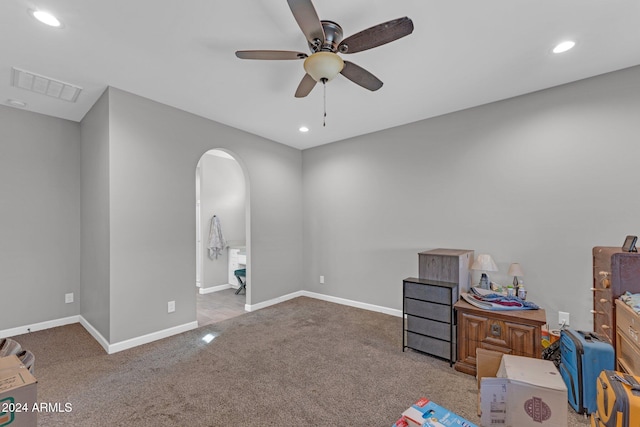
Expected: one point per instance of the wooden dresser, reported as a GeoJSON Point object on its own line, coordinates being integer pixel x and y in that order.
{"type": "Point", "coordinates": [614, 273]}
{"type": "Point", "coordinates": [516, 332]}
{"type": "Point", "coordinates": [627, 339]}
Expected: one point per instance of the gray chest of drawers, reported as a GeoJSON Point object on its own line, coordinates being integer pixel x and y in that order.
{"type": "Point", "coordinates": [428, 318]}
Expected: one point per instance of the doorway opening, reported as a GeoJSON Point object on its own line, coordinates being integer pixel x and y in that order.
{"type": "Point", "coordinates": [222, 237]}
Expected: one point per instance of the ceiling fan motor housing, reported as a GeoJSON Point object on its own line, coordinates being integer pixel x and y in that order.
{"type": "Point", "coordinates": [332, 37]}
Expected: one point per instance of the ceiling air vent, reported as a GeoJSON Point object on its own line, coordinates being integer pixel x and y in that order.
{"type": "Point", "coordinates": [44, 85]}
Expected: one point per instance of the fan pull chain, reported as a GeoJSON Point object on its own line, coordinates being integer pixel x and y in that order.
{"type": "Point", "coordinates": [324, 87]}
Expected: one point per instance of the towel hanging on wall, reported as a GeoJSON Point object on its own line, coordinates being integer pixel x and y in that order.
{"type": "Point", "coordinates": [216, 239]}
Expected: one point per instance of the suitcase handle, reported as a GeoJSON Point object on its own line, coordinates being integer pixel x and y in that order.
{"type": "Point", "coordinates": [590, 336]}
{"type": "Point", "coordinates": [629, 381]}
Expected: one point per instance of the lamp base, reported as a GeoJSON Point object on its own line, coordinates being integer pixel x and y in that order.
{"type": "Point", "coordinates": [484, 281]}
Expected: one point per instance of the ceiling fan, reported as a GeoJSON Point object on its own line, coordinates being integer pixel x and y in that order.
{"type": "Point", "coordinates": [325, 41]}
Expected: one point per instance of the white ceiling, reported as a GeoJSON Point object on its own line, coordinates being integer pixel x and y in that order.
{"type": "Point", "coordinates": [461, 54]}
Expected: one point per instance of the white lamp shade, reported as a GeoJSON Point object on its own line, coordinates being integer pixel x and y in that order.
{"type": "Point", "coordinates": [484, 262]}
{"type": "Point", "coordinates": [515, 269]}
{"type": "Point", "coordinates": [323, 65]}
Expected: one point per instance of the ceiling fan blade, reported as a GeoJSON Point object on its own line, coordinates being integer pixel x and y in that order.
{"type": "Point", "coordinates": [377, 35]}
{"type": "Point", "coordinates": [307, 18]}
{"type": "Point", "coordinates": [306, 85]}
{"type": "Point", "coordinates": [269, 54]}
{"type": "Point", "coordinates": [360, 76]}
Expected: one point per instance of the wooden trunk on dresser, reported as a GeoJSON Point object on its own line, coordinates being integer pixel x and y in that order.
{"type": "Point", "coordinates": [447, 265]}
{"type": "Point", "coordinates": [614, 273]}
{"type": "Point", "coordinates": [516, 332]}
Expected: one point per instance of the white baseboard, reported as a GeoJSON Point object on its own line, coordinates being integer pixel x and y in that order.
{"type": "Point", "coordinates": [357, 304]}
{"type": "Point", "coordinates": [329, 298]}
{"type": "Point", "coordinates": [258, 306]}
{"type": "Point", "coordinates": [134, 342]}
{"type": "Point", "coordinates": [203, 291]}
{"type": "Point", "coordinates": [109, 348]}
{"type": "Point", "coordinates": [144, 339]}
{"type": "Point", "coordinates": [5, 333]}
{"type": "Point", "coordinates": [95, 334]}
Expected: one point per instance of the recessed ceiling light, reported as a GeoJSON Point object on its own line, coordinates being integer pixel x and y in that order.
{"type": "Point", "coordinates": [16, 103]}
{"type": "Point", "coordinates": [564, 46]}
{"type": "Point", "coordinates": [303, 129]}
{"type": "Point", "coordinates": [46, 18]}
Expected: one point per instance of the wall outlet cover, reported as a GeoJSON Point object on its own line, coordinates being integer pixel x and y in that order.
{"type": "Point", "coordinates": [563, 318]}
{"type": "Point", "coordinates": [68, 298]}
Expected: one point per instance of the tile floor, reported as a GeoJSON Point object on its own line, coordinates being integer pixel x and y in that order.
{"type": "Point", "coordinates": [217, 306]}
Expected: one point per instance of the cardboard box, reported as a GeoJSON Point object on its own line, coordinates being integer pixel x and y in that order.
{"type": "Point", "coordinates": [425, 413]}
{"type": "Point", "coordinates": [526, 392]}
{"type": "Point", "coordinates": [17, 393]}
{"type": "Point", "coordinates": [487, 365]}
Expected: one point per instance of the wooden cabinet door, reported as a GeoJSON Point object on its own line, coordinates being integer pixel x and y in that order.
{"type": "Point", "coordinates": [511, 332]}
{"type": "Point", "coordinates": [471, 332]}
{"type": "Point", "coordinates": [521, 339]}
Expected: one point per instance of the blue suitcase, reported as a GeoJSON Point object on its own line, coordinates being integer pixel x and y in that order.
{"type": "Point", "coordinates": [583, 355]}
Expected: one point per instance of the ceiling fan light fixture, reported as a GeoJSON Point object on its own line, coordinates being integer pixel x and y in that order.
{"type": "Point", "coordinates": [323, 65]}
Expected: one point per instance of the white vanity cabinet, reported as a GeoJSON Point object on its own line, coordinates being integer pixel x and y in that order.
{"type": "Point", "coordinates": [237, 259]}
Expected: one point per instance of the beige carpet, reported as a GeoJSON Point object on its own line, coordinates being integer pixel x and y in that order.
{"type": "Point", "coordinates": [303, 362]}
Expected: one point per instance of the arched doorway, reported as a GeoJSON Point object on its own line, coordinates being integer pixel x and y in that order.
{"type": "Point", "coordinates": [221, 202]}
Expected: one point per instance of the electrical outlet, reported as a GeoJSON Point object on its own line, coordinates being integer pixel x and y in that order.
{"type": "Point", "coordinates": [321, 279]}
{"type": "Point", "coordinates": [68, 298]}
{"type": "Point", "coordinates": [171, 306]}
{"type": "Point", "coordinates": [563, 318]}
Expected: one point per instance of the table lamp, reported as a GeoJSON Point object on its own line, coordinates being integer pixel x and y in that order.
{"type": "Point", "coordinates": [515, 270]}
{"type": "Point", "coordinates": [484, 263]}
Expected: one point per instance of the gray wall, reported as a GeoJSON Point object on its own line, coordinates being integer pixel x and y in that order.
{"type": "Point", "coordinates": [39, 217]}
{"type": "Point", "coordinates": [138, 215]}
{"type": "Point", "coordinates": [154, 151]}
{"type": "Point", "coordinates": [95, 258]}
{"type": "Point", "coordinates": [222, 192]}
{"type": "Point", "coordinates": [539, 179]}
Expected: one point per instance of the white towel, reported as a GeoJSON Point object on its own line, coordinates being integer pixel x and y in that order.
{"type": "Point", "coordinates": [216, 240]}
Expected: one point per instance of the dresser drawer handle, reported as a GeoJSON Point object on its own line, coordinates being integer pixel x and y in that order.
{"type": "Point", "coordinates": [606, 327]}
{"type": "Point", "coordinates": [496, 330]}
{"type": "Point", "coordinates": [598, 289]}
{"type": "Point", "coordinates": [597, 312]}
{"type": "Point", "coordinates": [604, 300]}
